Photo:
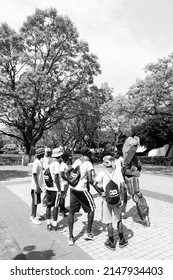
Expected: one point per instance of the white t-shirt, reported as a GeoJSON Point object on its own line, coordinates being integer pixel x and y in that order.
{"type": "Point", "coordinates": [84, 168]}
{"type": "Point", "coordinates": [63, 168]}
{"type": "Point", "coordinates": [119, 163]}
{"type": "Point", "coordinates": [37, 169]}
{"type": "Point", "coordinates": [54, 170]}
{"type": "Point", "coordinates": [45, 162]}
{"type": "Point", "coordinates": [105, 176]}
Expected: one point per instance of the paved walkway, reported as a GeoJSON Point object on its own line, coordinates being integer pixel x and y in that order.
{"type": "Point", "coordinates": [145, 243]}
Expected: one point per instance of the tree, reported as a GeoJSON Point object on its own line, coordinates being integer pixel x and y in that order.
{"type": "Point", "coordinates": [153, 96]}
{"type": "Point", "coordinates": [45, 71]}
{"type": "Point", "coordinates": [84, 127]}
{"type": "Point", "coordinates": [155, 133]}
{"type": "Point", "coordinates": [117, 118]}
{"type": "Point", "coordinates": [152, 104]}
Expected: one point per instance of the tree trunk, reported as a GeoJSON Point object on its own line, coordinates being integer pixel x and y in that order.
{"type": "Point", "coordinates": [168, 150]}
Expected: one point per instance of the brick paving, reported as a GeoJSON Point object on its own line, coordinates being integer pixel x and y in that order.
{"type": "Point", "coordinates": [145, 243]}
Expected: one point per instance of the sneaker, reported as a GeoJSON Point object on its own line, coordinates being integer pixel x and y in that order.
{"type": "Point", "coordinates": [89, 236]}
{"type": "Point", "coordinates": [36, 221]}
{"type": "Point", "coordinates": [123, 243]}
{"type": "Point", "coordinates": [31, 218]}
{"type": "Point", "coordinates": [49, 227]}
{"type": "Point", "coordinates": [71, 241]}
{"type": "Point", "coordinates": [110, 245]}
{"type": "Point", "coordinates": [58, 227]}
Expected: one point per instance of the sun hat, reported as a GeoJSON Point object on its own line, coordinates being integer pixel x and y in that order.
{"type": "Point", "coordinates": [39, 151]}
{"type": "Point", "coordinates": [108, 161]}
{"type": "Point", "coordinates": [57, 152]}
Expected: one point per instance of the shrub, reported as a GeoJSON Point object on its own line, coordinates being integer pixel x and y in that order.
{"type": "Point", "coordinates": [156, 160]}
{"type": "Point", "coordinates": [10, 160]}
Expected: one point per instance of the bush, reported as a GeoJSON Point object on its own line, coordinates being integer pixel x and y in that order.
{"type": "Point", "coordinates": [156, 160]}
{"type": "Point", "coordinates": [10, 160]}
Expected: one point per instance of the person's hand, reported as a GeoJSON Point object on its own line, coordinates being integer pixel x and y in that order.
{"type": "Point", "coordinates": [38, 190]}
{"type": "Point", "coordinates": [103, 196]}
{"type": "Point", "coordinates": [59, 194]}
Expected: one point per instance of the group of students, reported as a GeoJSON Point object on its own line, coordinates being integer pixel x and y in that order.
{"type": "Point", "coordinates": [80, 196]}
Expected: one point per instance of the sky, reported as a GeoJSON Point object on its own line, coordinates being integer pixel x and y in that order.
{"type": "Point", "coordinates": [125, 35]}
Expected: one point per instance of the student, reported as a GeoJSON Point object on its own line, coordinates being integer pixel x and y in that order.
{"type": "Point", "coordinates": [80, 196]}
{"type": "Point", "coordinates": [64, 167]}
{"type": "Point", "coordinates": [53, 193]}
{"type": "Point", "coordinates": [111, 212]}
{"type": "Point", "coordinates": [36, 185]}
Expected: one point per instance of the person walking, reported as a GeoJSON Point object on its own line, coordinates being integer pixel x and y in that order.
{"type": "Point", "coordinates": [111, 212]}
{"type": "Point", "coordinates": [36, 185]}
{"type": "Point", "coordinates": [53, 192]}
{"type": "Point", "coordinates": [80, 195]}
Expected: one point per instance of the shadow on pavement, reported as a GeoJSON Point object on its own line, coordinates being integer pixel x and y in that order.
{"type": "Point", "coordinates": [132, 212]}
{"type": "Point", "coordinates": [31, 254]}
{"type": "Point", "coordinates": [10, 174]}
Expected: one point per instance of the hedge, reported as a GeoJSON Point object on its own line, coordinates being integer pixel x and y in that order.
{"type": "Point", "coordinates": [159, 160]}
{"type": "Point", "coordinates": [10, 160]}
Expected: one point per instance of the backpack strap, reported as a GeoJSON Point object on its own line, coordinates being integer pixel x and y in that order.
{"type": "Point", "coordinates": [110, 176]}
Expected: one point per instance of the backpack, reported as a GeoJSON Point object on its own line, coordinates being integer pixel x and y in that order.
{"type": "Point", "coordinates": [74, 176]}
{"type": "Point", "coordinates": [48, 178]}
{"type": "Point", "coordinates": [112, 192]}
{"type": "Point", "coordinates": [141, 205]}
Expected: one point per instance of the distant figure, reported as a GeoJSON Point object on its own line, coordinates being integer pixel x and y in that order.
{"type": "Point", "coordinates": [36, 185]}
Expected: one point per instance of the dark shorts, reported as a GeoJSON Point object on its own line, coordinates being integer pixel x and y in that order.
{"type": "Point", "coordinates": [36, 197]}
{"type": "Point", "coordinates": [80, 199]}
{"type": "Point", "coordinates": [52, 199]}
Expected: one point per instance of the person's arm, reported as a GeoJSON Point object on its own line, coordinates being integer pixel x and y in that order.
{"type": "Point", "coordinates": [64, 176]}
{"type": "Point", "coordinates": [57, 182]}
{"type": "Point", "coordinates": [38, 189]}
{"type": "Point", "coordinates": [96, 187]}
{"type": "Point", "coordinates": [123, 191]}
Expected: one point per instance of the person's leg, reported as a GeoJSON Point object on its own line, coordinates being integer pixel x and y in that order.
{"type": "Point", "coordinates": [122, 241]}
{"type": "Point", "coordinates": [110, 232]}
{"type": "Point", "coordinates": [55, 216]}
{"type": "Point", "coordinates": [110, 243]}
{"type": "Point", "coordinates": [70, 224]}
{"type": "Point", "coordinates": [48, 218]}
{"type": "Point", "coordinates": [48, 210]}
{"type": "Point", "coordinates": [33, 210]}
{"type": "Point", "coordinates": [33, 217]}
{"type": "Point", "coordinates": [61, 204]}
{"type": "Point", "coordinates": [90, 221]}
{"type": "Point", "coordinates": [55, 202]}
